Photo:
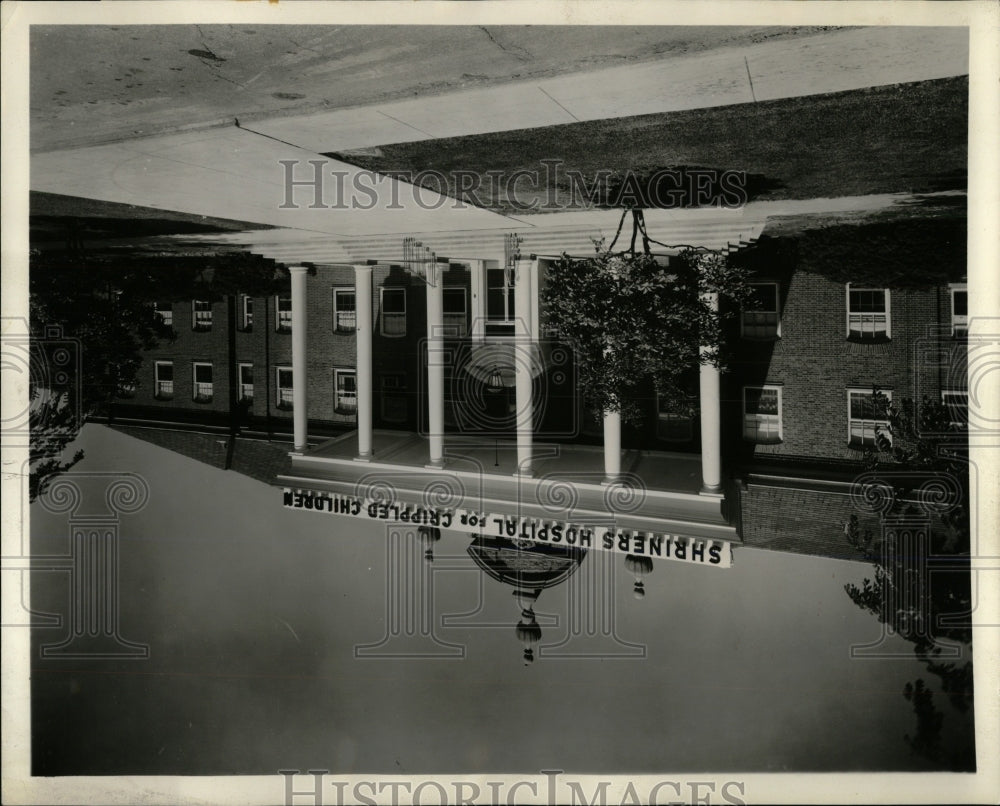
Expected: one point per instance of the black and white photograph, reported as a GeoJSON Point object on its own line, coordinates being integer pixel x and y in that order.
{"type": "Point", "coordinates": [410, 404]}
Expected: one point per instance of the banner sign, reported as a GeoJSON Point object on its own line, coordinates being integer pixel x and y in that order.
{"type": "Point", "coordinates": [701, 551]}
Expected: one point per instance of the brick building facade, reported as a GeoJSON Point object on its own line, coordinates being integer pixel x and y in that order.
{"type": "Point", "coordinates": [803, 362]}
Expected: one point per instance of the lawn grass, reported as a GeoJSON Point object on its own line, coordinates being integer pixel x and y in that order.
{"type": "Point", "coordinates": [899, 138]}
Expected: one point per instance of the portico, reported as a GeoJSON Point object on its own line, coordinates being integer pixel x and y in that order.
{"type": "Point", "coordinates": [521, 345]}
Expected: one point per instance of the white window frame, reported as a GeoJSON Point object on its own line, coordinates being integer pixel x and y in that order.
{"type": "Point", "coordinates": [455, 327]}
{"type": "Point", "coordinates": [194, 316]}
{"type": "Point", "coordinates": [381, 311]}
{"type": "Point", "coordinates": [744, 326]}
{"type": "Point", "coordinates": [865, 390]}
{"type": "Point", "coordinates": [337, 291]}
{"type": "Point", "coordinates": [165, 310]}
{"type": "Point", "coordinates": [398, 388]}
{"type": "Point", "coordinates": [758, 419]}
{"type": "Point", "coordinates": [284, 402]}
{"type": "Point", "coordinates": [195, 385]}
{"type": "Point", "coordinates": [157, 393]}
{"type": "Point", "coordinates": [344, 372]}
{"type": "Point", "coordinates": [246, 312]}
{"type": "Point", "coordinates": [876, 335]}
{"type": "Point", "coordinates": [960, 393]}
{"type": "Point", "coordinates": [240, 365]}
{"type": "Point", "coordinates": [959, 324]}
{"type": "Point", "coordinates": [279, 326]}
{"type": "Point", "coordinates": [510, 297]}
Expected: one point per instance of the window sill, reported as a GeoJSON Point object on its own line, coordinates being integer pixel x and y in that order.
{"type": "Point", "coordinates": [883, 339]}
{"type": "Point", "coordinates": [868, 446]}
{"type": "Point", "coordinates": [758, 441]}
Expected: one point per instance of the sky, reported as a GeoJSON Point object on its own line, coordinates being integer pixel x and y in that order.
{"type": "Point", "coordinates": [253, 613]}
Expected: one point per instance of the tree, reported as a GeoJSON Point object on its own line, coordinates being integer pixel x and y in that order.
{"type": "Point", "coordinates": [630, 318]}
{"type": "Point", "coordinates": [103, 303]}
{"type": "Point", "coordinates": [920, 445]}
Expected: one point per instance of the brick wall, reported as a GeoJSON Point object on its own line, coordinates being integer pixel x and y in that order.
{"type": "Point", "coordinates": [814, 363]}
{"type": "Point", "coordinates": [267, 349]}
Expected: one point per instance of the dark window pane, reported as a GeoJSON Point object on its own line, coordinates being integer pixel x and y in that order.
{"type": "Point", "coordinates": [765, 298]}
{"type": "Point", "coordinates": [393, 300]}
{"type": "Point", "coordinates": [454, 300]}
{"type": "Point", "coordinates": [961, 303]}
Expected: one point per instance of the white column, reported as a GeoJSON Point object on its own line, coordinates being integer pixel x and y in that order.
{"type": "Point", "coordinates": [300, 380]}
{"type": "Point", "coordinates": [536, 326]}
{"type": "Point", "coordinates": [363, 307]}
{"type": "Point", "coordinates": [477, 305]}
{"type": "Point", "coordinates": [435, 365]}
{"type": "Point", "coordinates": [523, 359]}
{"type": "Point", "coordinates": [711, 447]}
{"type": "Point", "coordinates": [612, 442]}
{"type": "Point", "coordinates": [612, 446]}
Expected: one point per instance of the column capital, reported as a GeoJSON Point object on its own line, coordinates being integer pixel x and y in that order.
{"type": "Point", "coordinates": [359, 268]}
{"type": "Point", "coordinates": [298, 269]}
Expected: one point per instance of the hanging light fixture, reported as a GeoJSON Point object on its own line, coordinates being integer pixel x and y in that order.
{"type": "Point", "coordinates": [495, 383]}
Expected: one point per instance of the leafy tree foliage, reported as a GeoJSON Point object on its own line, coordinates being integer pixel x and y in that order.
{"type": "Point", "coordinates": [104, 304]}
{"type": "Point", "coordinates": [630, 318]}
{"type": "Point", "coordinates": [925, 442]}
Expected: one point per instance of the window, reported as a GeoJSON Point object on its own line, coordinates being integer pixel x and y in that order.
{"type": "Point", "coordinates": [202, 392]}
{"type": "Point", "coordinates": [393, 304]}
{"type": "Point", "coordinates": [760, 319]}
{"type": "Point", "coordinates": [868, 313]}
{"type": "Point", "coordinates": [500, 300]}
{"type": "Point", "coordinates": [246, 312]}
{"type": "Point", "coordinates": [165, 310]}
{"type": "Point", "coordinates": [164, 386]}
{"type": "Point", "coordinates": [762, 414]}
{"type": "Point", "coordinates": [957, 403]}
{"type": "Point", "coordinates": [959, 310]}
{"type": "Point", "coordinates": [394, 404]}
{"type": "Point", "coordinates": [284, 387]}
{"type": "Point", "coordinates": [455, 318]}
{"type": "Point", "coordinates": [126, 390]}
{"type": "Point", "coordinates": [283, 314]}
{"type": "Point", "coordinates": [245, 379]}
{"type": "Point", "coordinates": [867, 422]}
{"type": "Point", "coordinates": [345, 391]}
{"type": "Point", "coordinates": [201, 315]}
{"type": "Point", "coordinates": [345, 310]}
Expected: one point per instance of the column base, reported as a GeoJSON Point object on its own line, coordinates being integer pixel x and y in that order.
{"type": "Point", "coordinates": [524, 474]}
{"type": "Point", "coordinates": [363, 457]}
{"type": "Point", "coordinates": [712, 491]}
{"type": "Point", "coordinates": [435, 464]}
{"type": "Point", "coordinates": [609, 480]}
